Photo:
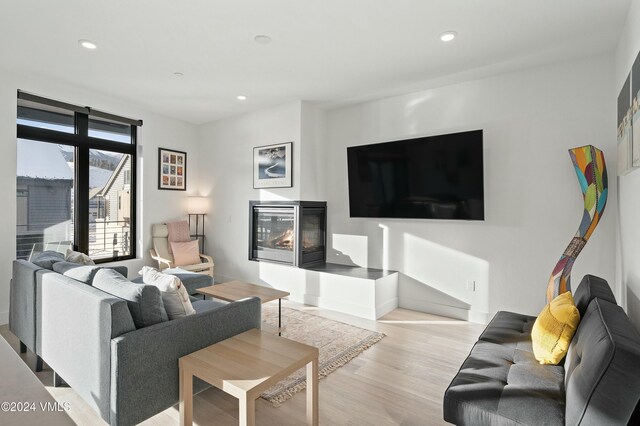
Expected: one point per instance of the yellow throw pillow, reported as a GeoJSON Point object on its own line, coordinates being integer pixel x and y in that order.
{"type": "Point", "coordinates": [554, 328]}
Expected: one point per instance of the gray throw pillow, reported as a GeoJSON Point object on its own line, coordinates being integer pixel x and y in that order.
{"type": "Point", "coordinates": [78, 257]}
{"type": "Point", "coordinates": [122, 270]}
{"type": "Point", "coordinates": [84, 273]}
{"type": "Point", "coordinates": [47, 258]}
{"type": "Point", "coordinates": [144, 301]}
{"type": "Point", "coordinates": [64, 266]}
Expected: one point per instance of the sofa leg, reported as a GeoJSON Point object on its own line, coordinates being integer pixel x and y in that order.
{"type": "Point", "coordinates": [23, 347]}
{"type": "Point", "coordinates": [38, 364]}
{"type": "Point", "coordinates": [57, 380]}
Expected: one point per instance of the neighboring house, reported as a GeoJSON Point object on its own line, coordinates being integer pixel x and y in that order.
{"type": "Point", "coordinates": [44, 191]}
{"type": "Point", "coordinates": [96, 204]}
{"type": "Point", "coordinates": [113, 200]}
{"type": "Point", "coordinates": [98, 178]}
{"type": "Point", "coordinates": [112, 207]}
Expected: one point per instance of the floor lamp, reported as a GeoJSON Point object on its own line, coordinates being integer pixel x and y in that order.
{"type": "Point", "coordinates": [197, 208]}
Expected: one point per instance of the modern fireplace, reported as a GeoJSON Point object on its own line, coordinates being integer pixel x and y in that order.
{"type": "Point", "coordinates": [290, 232]}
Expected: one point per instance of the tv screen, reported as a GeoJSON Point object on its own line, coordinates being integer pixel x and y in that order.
{"type": "Point", "coordinates": [435, 177]}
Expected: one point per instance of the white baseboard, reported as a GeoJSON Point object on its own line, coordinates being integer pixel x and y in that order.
{"type": "Point", "coordinates": [386, 307]}
{"type": "Point", "coordinates": [4, 318]}
{"type": "Point", "coordinates": [435, 308]}
{"type": "Point", "coordinates": [479, 317]}
{"type": "Point", "coordinates": [445, 310]}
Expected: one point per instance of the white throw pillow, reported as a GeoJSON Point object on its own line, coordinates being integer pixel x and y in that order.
{"type": "Point", "coordinates": [78, 257]}
{"type": "Point", "coordinates": [174, 295]}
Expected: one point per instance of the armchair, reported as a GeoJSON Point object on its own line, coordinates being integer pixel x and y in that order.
{"type": "Point", "coordinates": [160, 253]}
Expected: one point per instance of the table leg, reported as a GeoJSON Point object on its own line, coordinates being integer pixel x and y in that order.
{"type": "Point", "coordinates": [247, 412]}
{"type": "Point", "coordinates": [312, 393]}
{"type": "Point", "coordinates": [279, 317]}
{"type": "Point", "coordinates": [186, 398]}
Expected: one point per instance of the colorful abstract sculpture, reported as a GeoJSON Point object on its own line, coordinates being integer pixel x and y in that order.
{"type": "Point", "coordinates": [591, 170]}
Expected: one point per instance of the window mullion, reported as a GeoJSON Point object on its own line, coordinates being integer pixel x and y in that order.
{"type": "Point", "coordinates": [81, 203]}
{"type": "Point", "coordinates": [46, 135]}
{"type": "Point", "coordinates": [133, 186]}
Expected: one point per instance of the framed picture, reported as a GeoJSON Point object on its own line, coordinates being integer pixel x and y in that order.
{"type": "Point", "coordinates": [625, 158]}
{"type": "Point", "coordinates": [272, 166]}
{"type": "Point", "coordinates": [172, 169]}
{"type": "Point", "coordinates": [635, 112]}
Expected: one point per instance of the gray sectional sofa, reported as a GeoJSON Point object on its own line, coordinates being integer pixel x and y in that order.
{"type": "Point", "coordinates": [89, 338]}
{"type": "Point", "coordinates": [598, 383]}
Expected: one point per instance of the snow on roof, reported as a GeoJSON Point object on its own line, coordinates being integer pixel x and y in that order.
{"type": "Point", "coordinates": [98, 177]}
{"type": "Point", "coordinates": [107, 187]}
{"type": "Point", "coordinates": [41, 160]}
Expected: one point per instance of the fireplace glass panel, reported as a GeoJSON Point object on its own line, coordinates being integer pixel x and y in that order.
{"type": "Point", "coordinates": [292, 232]}
{"type": "Point", "coordinates": [313, 231]}
{"type": "Point", "coordinates": [274, 233]}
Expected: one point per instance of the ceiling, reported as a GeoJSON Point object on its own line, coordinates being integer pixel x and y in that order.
{"type": "Point", "coordinates": [329, 51]}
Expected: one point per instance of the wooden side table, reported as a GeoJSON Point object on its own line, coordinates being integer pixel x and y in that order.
{"type": "Point", "coordinates": [246, 365]}
{"type": "Point", "coordinates": [236, 290]}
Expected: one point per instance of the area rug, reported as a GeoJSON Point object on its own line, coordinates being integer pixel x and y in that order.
{"type": "Point", "coordinates": [338, 343]}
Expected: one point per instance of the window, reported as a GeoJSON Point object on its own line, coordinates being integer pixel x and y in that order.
{"type": "Point", "coordinates": [76, 171]}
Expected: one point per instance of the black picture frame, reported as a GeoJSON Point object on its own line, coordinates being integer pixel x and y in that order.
{"type": "Point", "coordinates": [172, 170]}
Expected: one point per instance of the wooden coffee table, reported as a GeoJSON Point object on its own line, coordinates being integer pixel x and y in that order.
{"type": "Point", "coordinates": [246, 365]}
{"type": "Point", "coordinates": [236, 290]}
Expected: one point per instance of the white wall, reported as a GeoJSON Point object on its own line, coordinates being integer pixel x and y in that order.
{"type": "Point", "coordinates": [313, 157]}
{"type": "Point", "coordinates": [157, 131]}
{"type": "Point", "coordinates": [533, 203]}
{"type": "Point", "coordinates": [226, 150]}
{"type": "Point", "coordinates": [629, 185]}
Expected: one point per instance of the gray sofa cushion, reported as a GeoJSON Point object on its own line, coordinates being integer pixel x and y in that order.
{"type": "Point", "coordinates": [122, 270]}
{"type": "Point", "coordinates": [603, 367]}
{"type": "Point", "coordinates": [47, 259]}
{"type": "Point", "coordinates": [591, 287]}
{"type": "Point", "coordinates": [84, 273]}
{"type": "Point", "coordinates": [144, 301]}
{"type": "Point", "coordinates": [206, 305]}
{"type": "Point", "coordinates": [501, 383]}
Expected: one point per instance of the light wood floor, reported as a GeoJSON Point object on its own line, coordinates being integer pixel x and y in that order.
{"type": "Point", "coordinates": [398, 381]}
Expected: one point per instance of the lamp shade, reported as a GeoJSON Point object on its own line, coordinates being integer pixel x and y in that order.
{"type": "Point", "coordinates": [198, 205]}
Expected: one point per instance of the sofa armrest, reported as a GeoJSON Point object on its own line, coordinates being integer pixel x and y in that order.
{"type": "Point", "coordinates": [144, 362]}
{"type": "Point", "coordinates": [22, 303]}
{"type": "Point", "coordinates": [206, 259]}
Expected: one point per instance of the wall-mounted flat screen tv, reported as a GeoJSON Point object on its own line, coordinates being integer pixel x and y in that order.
{"type": "Point", "coordinates": [434, 177]}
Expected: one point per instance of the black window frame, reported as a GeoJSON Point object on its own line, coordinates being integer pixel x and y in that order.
{"type": "Point", "coordinates": [83, 143]}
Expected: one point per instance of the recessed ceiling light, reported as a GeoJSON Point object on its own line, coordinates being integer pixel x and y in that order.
{"type": "Point", "coordinates": [88, 44]}
{"type": "Point", "coordinates": [262, 39]}
{"type": "Point", "coordinates": [448, 36]}
{"type": "Point", "coordinates": [241, 97]}
{"type": "Point", "coordinates": [178, 74]}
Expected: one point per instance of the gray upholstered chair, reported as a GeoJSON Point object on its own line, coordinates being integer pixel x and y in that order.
{"type": "Point", "coordinates": [160, 253]}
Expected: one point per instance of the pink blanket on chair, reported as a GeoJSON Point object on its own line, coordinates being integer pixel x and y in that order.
{"type": "Point", "coordinates": [178, 232]}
